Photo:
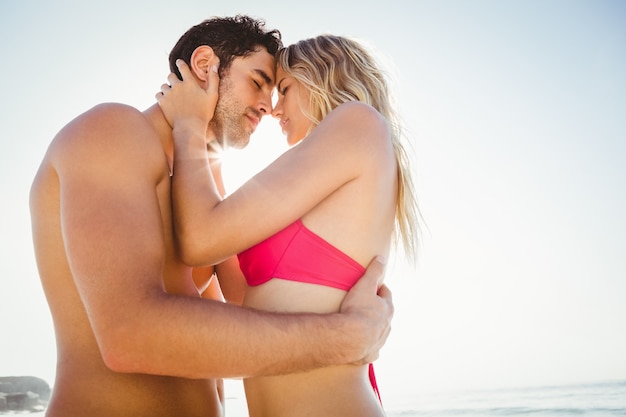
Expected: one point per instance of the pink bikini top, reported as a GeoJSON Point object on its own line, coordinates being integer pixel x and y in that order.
{"type": "Point", "coordinates": [297, 254]}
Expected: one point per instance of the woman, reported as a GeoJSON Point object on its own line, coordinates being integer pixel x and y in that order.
{"type": "Point", "coordinates": [306, 226]}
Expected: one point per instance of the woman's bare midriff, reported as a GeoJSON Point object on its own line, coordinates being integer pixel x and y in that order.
{"type": "Point", "coordinates": [333, 391]}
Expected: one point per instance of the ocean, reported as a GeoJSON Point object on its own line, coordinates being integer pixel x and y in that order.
{"type": "Point", "coordinates": [591, 400]}
{"type": "Point", "coordinates": [606, 399]}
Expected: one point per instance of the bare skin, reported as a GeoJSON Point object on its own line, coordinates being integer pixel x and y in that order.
{"type": "Point", "coordinates": [134, 337]}
{"type": "Point", "coordinates": [340, 180]}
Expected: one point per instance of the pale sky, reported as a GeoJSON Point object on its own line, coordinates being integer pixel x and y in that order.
{"type": "Point", "coordinates": [517, 115]}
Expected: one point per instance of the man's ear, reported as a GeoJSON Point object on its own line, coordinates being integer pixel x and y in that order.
{"type": "Point", "coordinates": [202, 59]}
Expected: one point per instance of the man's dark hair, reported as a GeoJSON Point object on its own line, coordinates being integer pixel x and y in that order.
{"type": "Point", "coordinates": [230, 37]}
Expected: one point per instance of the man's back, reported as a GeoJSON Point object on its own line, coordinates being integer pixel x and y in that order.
{"type": "Point", "coordinates": [100, 208]}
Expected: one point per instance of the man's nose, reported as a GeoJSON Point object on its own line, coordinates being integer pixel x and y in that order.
{"type": "Point", "coordinates": [265, 104]}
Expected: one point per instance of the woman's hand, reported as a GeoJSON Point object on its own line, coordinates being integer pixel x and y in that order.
{"type": "Point", "coordinates": [186, 103]}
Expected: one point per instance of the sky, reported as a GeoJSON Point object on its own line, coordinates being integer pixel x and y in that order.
{"type": "Point", "coordinates": [516, 115]}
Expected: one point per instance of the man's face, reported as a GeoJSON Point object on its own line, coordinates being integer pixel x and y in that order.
{"type": "Point", "coordinates": [245, 95]}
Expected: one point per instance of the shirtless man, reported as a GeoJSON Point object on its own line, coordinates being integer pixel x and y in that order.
{"type": "Point", "coordinates": [134, 338]}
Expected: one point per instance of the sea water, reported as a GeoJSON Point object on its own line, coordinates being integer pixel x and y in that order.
{"type": "Point", "coordinates": [590, 400]}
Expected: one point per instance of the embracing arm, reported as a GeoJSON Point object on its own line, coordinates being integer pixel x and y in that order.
{"type": "Point", "coordinates": [115, 244]}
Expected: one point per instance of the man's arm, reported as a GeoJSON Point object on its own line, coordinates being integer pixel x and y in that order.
{"type": "Point", "coordinates": [111, 173]}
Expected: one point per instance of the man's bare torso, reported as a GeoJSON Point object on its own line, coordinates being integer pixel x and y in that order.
{"type": "Point", "coordinates": [84, 385]}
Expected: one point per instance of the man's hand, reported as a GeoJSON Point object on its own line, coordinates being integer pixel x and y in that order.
{"type": "Point", "coordinates": [372, 308]}
{"type": "Point", "coordinates": [187, 102]}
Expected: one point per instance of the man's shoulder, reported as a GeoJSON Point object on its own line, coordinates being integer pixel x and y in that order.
{"type": "Point", "coordinates": [101, 119]}
{"type": "Point", "coordinates": [112, 110]}
{"type": "Point", "coordinates": [104, 135]}
{"type": "Point", "coordinates": [107, 124]}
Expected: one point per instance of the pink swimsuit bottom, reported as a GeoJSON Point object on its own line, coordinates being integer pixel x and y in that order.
{"type": "Point", "coordinates": [297, 254]}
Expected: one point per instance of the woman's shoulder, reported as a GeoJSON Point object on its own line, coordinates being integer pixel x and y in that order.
{"type": "Point", "coordinates": [359, 110]}
{"type": "Point", "coordinates": [360, 123]}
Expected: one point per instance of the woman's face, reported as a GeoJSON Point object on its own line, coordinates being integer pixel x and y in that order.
{"type": "Point", "coordinates": [292, 98]}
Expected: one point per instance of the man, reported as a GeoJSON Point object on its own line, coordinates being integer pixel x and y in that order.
{"type": "Point", "coordinates": [133, 336]}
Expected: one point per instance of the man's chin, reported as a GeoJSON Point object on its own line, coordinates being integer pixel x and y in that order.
{"type": "Point", "coordinates": [239, 143]}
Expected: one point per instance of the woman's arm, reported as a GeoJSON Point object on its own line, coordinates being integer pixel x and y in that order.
{"type": "Point", "coordinates": [210, 230]}
{"type": "Point", "coordinates": [334, 154]}
{"type": "Point", "coordinates": [231, 280]}
{"type": "Point", "coordinates": [224, 281]}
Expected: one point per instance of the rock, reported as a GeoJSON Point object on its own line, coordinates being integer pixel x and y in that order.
{"type": "Point", "coordinates": [23, 393]}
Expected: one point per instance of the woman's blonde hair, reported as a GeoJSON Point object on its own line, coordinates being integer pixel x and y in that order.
{"type": "Point", "coordinates": [337, 70]}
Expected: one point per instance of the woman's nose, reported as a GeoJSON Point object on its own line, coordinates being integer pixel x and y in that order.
{"type": "Point", "coordinates": [277, 111]}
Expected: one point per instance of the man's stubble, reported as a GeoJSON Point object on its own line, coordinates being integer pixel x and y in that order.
{"type": "Point", "coordinates": [229, 123]}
